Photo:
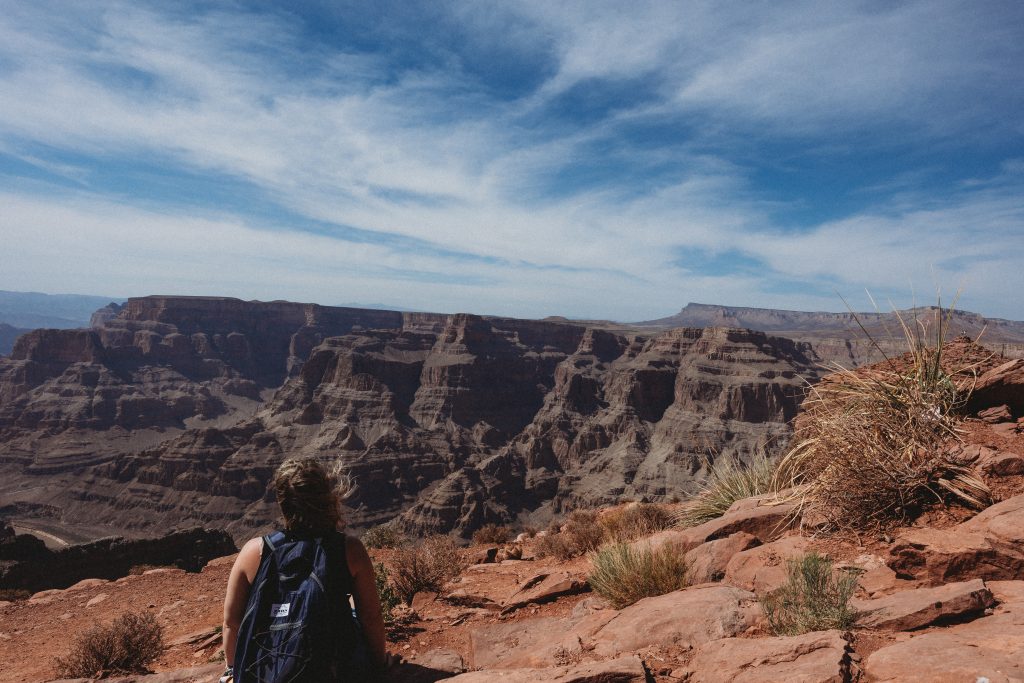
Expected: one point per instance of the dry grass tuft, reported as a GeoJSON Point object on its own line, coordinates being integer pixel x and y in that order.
{"type": "Point", "coordinates": [581, 533]}
{"type": "Point", "coordinates": [871, 448]}
{"type": "Point", "coordinates": [584, 531]}
{"type": "Point", "coordinates": [623, 574]}
{"type": "Point", "coordinates": [728, 482]}
{"type": "Point", "coordinates": [634, 521]}
{"type": "Point", "coordinates": [127, 646]}
{"type": "Point", "coordinates": [426, 567]}
{"type": "Point", "coordinates": [491, 534]}
{"type": "Point", "coordinates": [812, 599]}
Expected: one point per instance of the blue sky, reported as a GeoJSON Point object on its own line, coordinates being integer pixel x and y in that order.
{"type": "Point", "coordinates": [607, 160]}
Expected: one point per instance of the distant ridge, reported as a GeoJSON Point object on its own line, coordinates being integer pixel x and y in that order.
{"type": "Point", "coordinates": [32, 310]}
{"type": "Point", "coordinates": [7, 336]}
{"type": "Point", "coordinates": [817, 325]}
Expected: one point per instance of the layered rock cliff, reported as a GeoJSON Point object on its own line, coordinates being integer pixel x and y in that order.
{"type": "Point", "coordinates": [173, 412]}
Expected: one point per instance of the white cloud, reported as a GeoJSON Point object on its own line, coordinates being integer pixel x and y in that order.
{"type": "Point", "coordinates": [325, 135]}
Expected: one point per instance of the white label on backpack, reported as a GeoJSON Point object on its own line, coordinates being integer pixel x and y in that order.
{"type": "Point", "coordinates": [278, 611]}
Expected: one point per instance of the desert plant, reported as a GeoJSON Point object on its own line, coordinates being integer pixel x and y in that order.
{"type": "Point", "coordinates": [126, 646]}
{"type": "Point", "coordinates": [382, 536]}
{"type": "Point", "coordinates": [813, 598]}
{"type": "Point", "coordinates": [728, 481]}
{"type": "Point", "coordinates": [12, 594]}
{"type": "Point", "coordinates": [635, 521]}
{"type": "Point", "coordinates": [491, 533]}
{"type": "Point", "coordinates": [581, 533]}
{"type": "Point", "coordinates": [623, 574]}
{"type": "Point", "coordinates": [389, 598]}
{"type": "Point", "coordinates": [872, 445]}
{"type": "Point", "coordinates": [425, 567]}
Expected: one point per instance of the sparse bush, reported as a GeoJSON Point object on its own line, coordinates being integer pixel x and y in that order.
{"type": "Point", "coordinates": [623, 574]}
{"type": "Point", "coordinates": [426, 567]}
{"type": "Point", "coordinates": [812, 599]}
{"type": "Point", "coordinates": [635, 521]}
{"type": "Point", "coordinates": [12, 594]}
{"type": "Point", "coordinates": [580, 534]}
{"type": "Point", "coordinates": [383, 536]}
{"type": "Point", "coordinates": [491, 533]}
{"type": "Point", "coordinates": [871, 446]}
{"type": "Point", "coordinates": [728, 482]}
{"type": "Point", "coordinates": [388, 596]}
{"type": "Point", "coordinates": [127, 646]}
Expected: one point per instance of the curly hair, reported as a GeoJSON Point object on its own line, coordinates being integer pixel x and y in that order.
{"type": "Point", "coordinates": [309, 496]}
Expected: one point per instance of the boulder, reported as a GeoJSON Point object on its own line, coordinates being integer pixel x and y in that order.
{"type": "Point", "coordinates": [985, 649]}
{"type": "Point", "coordinates": [688, 617]}
{"type": "Point", "coordinates": [763, 569]}
{"type": "Point", "coordinates": [448, 661]}
{"type": "Point", "coordinates": [1002, 464]}
{"type": "Point", "coordinates": [766, 521]}
{"type": "Point", "coordinates": [627, 669]}
{"type": "Point", "coordinates": [990, 546]}
{"type": "Point", "coordinates": [911, 609]}
{"type": "Point", "coordinates": [1003, 385]}
{"type": "Point", "coordinates": [996, 414]}
{"type": "Point", "coordinates": [707, 562]}
{"type": "Point", "coordinates": [820, 657]}
{"type": "Point", "coordinates": [543, 588]}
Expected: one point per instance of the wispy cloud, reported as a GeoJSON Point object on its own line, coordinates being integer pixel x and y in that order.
{"type": "Point", "coordinates": [530, 159]}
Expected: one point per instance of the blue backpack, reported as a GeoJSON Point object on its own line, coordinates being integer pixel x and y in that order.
{"type": "Point", "coordinates": [298, 625]}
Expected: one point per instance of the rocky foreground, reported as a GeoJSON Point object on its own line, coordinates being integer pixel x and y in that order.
{"type": "Point", "coordinates": [941, 599]}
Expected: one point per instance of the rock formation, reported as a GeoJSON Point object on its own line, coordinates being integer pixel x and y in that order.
{"type": "Point", "coordinates": [174, 412]}
{"type": "Point", "coordinates": [8, 334]}
{"type": "Point", "coordinates": [25, 563]}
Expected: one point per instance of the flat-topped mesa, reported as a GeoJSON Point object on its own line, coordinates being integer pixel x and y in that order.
{"type": "Point", "coordinates": [190, 314]}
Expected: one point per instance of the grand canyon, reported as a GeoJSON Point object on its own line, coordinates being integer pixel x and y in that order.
{"type": "Point", "coordinates": [172, 412]}
{"type": "Point", "coordinates": [161, 423]}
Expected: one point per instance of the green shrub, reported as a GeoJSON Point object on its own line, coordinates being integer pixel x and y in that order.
{"type": "Point", "coordinates": [383, 536]}
{"type": "Point", "coordinates": [635, 521]}
{"type": "Point", "coordinates": [623, 574]}
{"type": "Point", "coordinates": [127, 646]}
{"type": "Point", "coordinates": [426, 567]}
{"type": "Point", "coordinates": [388, 596]}
{"type": "Point", "coordinates": [813, 598]}
{"type": "Point", "coordinates": [491, 533]}
{"type": "Point", "coordinates": [728, 482]}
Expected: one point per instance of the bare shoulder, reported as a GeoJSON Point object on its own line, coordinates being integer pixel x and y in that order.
{"type": "Point", "coordinates": [355, 553]}
{"type": "Point", "coordinates": [253, 545]}
{"type": "Point", "coordinates": [248, 560]}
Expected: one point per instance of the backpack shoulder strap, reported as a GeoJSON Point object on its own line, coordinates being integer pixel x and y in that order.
{"type": "Point", "coordinates": [272, 540]}
{"type": "Point", "coordinates": [340, 557]}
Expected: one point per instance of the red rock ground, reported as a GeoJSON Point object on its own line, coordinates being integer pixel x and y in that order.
{"type": "Point", "coordinates": [188, 606]}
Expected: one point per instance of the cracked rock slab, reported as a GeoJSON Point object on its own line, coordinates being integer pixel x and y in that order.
{"type": "Point", "coordinates": [819, 657]}
{"type": "Point", "coordinates": [911, 609]}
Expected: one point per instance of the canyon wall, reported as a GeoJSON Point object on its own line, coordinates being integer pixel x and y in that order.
{"type": "Point", "coordinates": [173, 412]}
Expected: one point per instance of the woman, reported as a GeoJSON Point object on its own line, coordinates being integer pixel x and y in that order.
{"type": "Point", "coordinates": [310, 509]}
